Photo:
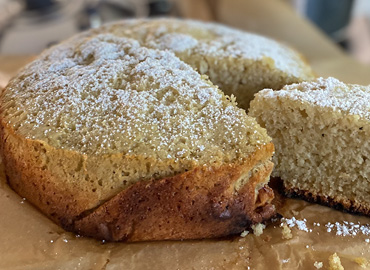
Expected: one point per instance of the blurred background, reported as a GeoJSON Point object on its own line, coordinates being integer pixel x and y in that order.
{"type": "Point", "coordinates": [319, 29]}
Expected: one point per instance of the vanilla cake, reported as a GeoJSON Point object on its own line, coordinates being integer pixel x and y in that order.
{"type": "Point", "coordinates": [321, 131]}
{"type": "Point", "coordinates": [118, 141]}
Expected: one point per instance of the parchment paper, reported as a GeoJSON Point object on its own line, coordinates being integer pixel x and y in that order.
{"type": "Point", "coordinates": [31, 241]}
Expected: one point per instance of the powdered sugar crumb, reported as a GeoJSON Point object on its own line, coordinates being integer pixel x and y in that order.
{"type": "Point", "coordinates": [344, 228]}
{"type": "Point", "coordinates": [293, 222]}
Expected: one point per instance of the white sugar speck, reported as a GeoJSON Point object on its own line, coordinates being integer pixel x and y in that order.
{"type": "Point", "coordinates": [300, 224]}
{"type": "Point", "coordinates": [244, 233]}
{"type": "Point", "coordinates": [346, 228]}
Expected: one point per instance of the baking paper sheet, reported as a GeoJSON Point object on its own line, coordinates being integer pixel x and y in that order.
{"type": "Point", "coordinates": [29, 240]}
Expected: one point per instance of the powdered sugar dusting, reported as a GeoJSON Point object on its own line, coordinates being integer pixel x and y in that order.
{"type": "Point", "coordinates": [344, 228]}
{"type": "Point", "coordinates": [293, 222]}
{"type": "Point", "coordinates": [177, 42]}
{"type": "Point", "coordinates": [103, 93]}
{"type": "Point", "coordinates": [211, 40]}
{"type": "Point", "coordinates": [329, 93]}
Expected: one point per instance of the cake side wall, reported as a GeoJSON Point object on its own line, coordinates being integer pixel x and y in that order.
{"type": "Point", "coordinates": [202, 203]}
{"type": "Point", "coordinates": [318, 150]}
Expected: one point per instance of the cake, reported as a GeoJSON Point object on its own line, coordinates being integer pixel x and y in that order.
{"type": "Point", "coordinates": [122, 142]}
{"type": "Point", "coordinates": [240, 63]}
{"type": "Point", "coordinates": [321, 132]}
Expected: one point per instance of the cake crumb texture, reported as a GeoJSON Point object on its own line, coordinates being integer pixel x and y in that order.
{"type": "Point", "coordinates": [335, 263]}
{"type": "Point", "coordinates": [318, 265]}
{"type": "Point", "coordinates": [258, 229]}
{"type": "Point", "coordinates": [362, 262]}
{"type": "Point", "coordinates": [286, 232]}
{"type": "Point", "coordinates": [321, 131]}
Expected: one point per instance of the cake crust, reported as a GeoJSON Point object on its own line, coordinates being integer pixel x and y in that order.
{"type": "Point", "coordinates": [201, 203]}
{"type": "Point", "coordinates": [339, 203]}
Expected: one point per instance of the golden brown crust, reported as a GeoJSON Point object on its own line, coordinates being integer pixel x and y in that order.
{"type": "Point", "coordinates": [339, 203]}
{"type": "Point", "coordinates": [26, 168]}
{"type": "Point", "coordinates": [200, 203]}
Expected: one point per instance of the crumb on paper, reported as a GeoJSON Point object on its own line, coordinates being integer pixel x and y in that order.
{"type": "Point", "coordinates": [244, 233]}
{"type": "Point", "coordinates": [258, 229]}
{"type": "Point", "coordinates": [287, 232]}
{"type": "Point", "coordinates": [362, 262]}
{"type": "Point", "coordinates": [318, 265]}
{"type": "Point", "coordinates": [335, 263]}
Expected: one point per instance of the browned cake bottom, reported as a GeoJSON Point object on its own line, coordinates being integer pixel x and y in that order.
{"type": "Point", "coordinates": [198, 204]}
{"type": "Point", "coordinates": [202, 203]}
{"type": "Point", "coordinates": [339, 203]}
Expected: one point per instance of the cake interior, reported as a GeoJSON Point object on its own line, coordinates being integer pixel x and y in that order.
{"type": "Point", "coordinates": [321, 152]}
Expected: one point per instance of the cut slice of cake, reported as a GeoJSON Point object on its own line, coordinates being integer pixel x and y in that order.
{"type": "Point", "coordinates": [321, 131]}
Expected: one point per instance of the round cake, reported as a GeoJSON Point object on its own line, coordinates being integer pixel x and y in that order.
{"type": "Point", "coordinates": [116, 134]}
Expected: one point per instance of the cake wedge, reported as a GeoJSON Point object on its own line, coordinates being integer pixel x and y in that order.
{"type": "Point", "coordinates": [321, 131]}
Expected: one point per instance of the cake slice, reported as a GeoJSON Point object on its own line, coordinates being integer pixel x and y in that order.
{"type": "Point", "coordinates": [321, 131]}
